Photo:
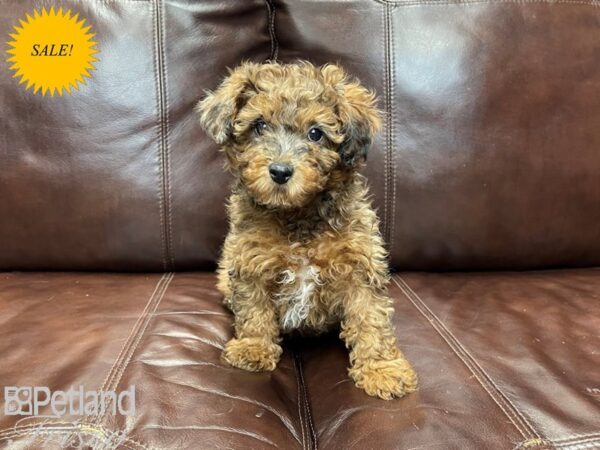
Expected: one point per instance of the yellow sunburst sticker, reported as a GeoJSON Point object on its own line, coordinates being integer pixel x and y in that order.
{"type": "Point", "coordinates": [52, 51]}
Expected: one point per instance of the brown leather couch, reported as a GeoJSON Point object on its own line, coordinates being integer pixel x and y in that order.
{"type": "Point", "coordinates": [486, 177]}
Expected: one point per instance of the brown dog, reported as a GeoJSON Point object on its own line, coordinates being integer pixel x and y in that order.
{"type": "Point", "coordinates": [304, 250]}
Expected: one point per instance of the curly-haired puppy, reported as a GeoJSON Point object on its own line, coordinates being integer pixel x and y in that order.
{"type": "Point", "coordinates": [304, 251]}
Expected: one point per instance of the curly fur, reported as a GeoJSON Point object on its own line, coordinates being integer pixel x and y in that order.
{"type": "Point", "coordinates": [307, 254]}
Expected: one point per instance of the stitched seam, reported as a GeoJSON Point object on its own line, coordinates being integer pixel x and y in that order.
{"type": "Point", "coordinates": [385, 11]}
{"type": "Point", "coordinates": [307, 408]}
{"type": "Point", "coordinates": [161, 206]}
{"type": "Point", "coordinates": [466, 356]}
{"type": "Point", "coordinates": [300, 414]}
{"type": "Point", "coordinates": [532, 444]}
{"type": "Point", "coordinates": [109, 2]}
{"type": "Point", "coordinates": [163, 129]}
{"type": "Point", "coordinates": [68, 428]}
{"type": "Point", "coordinates": [471, 359]}
{"type": "Point", "coordinates": [584, 445]}
{"type": "Point", "coordinates": [577, 437]}
{"type": "Point", "coordinates": [167, 134]}
{"type": "Point", "coordinates": [309, 413]}
{"type": "Point", "coordinates": [124, 444]}
{"type": "Point", "coordinates": [12, 429]}
{"type": "Point", "coordinates": [392, 184]}
{"type": "Point", "coordinates": [155, 302]}
{"type": "Point", "coordinates": [588, 441]}
{"type": "Point", "coordinates": [509, 409]}
{"type": "Point", "coordinates": [594, 444]}
{"type": "Point", "coordinates": [129, 341]}
{"type": "Point", "coordinates": [594, 3]}
{"type": "Point", "coordinates": [272, 33]}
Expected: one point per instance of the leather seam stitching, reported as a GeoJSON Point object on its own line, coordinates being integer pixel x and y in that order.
{"type": "Point", "coordinates": [469, 357]}
{"type": "Point", "coordinates": [532, 444]}
{"type": "Point", "coordinates": [163, 131]}
{"type": "Point", "coordinates": [11, 430]}
{"type": "Point", "coordinates": [578, 445]}
{"type": "Point", "coordinates": [387, 124]}
{"type": "Point", "coordinates": [107, 2]}
{"type": "Point", "coordinates": [303, 400]}
{"type": "Point", "coordinates": [128, 342]}
{"type": "Point", "coordinates": [272, 32]}
{"type": "Point", "coordinates": [134, 329]}
{"type": "Point", "coordinates": [161, 205]}
{"type": "Point", "coordinates": [569, 442]}
{"type": "Point", "coordinates": [509, 409]}
{"type": "Point", "coordinates": [579, 437]}
{"type": "Point", "coordinates": [593, 3]}
{"type": "Point", "coordinates": [307, 405]}
{"type": "Point", "coordinates": [167, 134]}
{"type": "Point", "coordinates": [154, 303]}
{"type": "Point", "coordinates": [588, 445]}
{"type": "Point", "coordinates": [68, 427]}
{"type": "Point", "coordinates": [392, 186]}
{"type": "Point", "coordinates": [300, 414]}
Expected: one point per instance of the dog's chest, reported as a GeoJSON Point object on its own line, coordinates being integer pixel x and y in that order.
{"type": "Point", "coordinates": [298, 290]}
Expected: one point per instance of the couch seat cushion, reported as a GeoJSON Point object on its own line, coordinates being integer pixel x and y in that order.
{"type": "Point", "coordinates": [161, 333]}
{"type": "Point", "coordinates": [506, 360]}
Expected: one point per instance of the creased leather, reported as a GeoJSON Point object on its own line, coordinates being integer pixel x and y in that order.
{"type": "Point", "coordinates": [505, 360]}
{"type": "Point", "coordinates": [162, 334]}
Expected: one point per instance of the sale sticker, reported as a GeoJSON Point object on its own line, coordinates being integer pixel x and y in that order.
{"type": "Point", "coordinates": [52, 52]}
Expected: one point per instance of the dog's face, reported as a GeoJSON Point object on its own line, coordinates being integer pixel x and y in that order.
{"type": "Point", "coordinates": [289, 130]}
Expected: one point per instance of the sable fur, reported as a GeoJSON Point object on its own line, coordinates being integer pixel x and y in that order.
{"type": "Point", "coordinates": [305, 255]}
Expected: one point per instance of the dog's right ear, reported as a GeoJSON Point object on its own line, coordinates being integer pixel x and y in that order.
{"type": "Point", "coordinates": [219, 108]}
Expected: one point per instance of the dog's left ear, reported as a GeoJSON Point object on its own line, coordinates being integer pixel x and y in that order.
{"type": "Point", "coordinates": [219, 108]}
{"type": "Point", "coordinates": [357, 112]}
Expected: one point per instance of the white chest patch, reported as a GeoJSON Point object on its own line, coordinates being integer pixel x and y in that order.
{"type": "Point", "coordinates": [297, 297]}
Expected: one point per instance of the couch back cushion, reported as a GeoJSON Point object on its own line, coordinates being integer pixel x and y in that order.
{"type": "Point", "coordinates": [489, 157]}
{"type": "Point", "coordinates": [119, 176]}
{"type": "Point", "coordinates": [490, 154]}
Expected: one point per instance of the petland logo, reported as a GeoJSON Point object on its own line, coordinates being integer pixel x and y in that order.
{"type": "Point", "coordinates": [30, 400]}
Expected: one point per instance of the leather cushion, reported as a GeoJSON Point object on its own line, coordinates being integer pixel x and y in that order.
{"type": "Point", "coordinates": [162, 334]}
{"type": "Point", "coordinates": [119, 176]}
{"type": "Point", "coordinates": [488, 157]}
{"type": "Point", "coordinates": [489, 154]}
{"type": "Point", "coordinates": [505, 360]}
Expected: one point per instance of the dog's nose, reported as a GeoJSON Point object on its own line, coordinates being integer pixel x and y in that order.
{"type": "Point", "coordinates": [281, 173]}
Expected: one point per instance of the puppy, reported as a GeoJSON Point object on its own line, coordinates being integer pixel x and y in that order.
{"type": "Point", "coordinates": [304, 250]}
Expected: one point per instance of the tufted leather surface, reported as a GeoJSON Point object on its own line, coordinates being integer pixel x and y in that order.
{"type": "Point", "coordinates": [506, 360]}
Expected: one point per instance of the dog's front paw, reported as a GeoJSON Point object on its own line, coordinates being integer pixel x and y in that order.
{"type": "Point", "coordinates": [253, 354]}
{"type": "Point", "coordinates": [385, 379]}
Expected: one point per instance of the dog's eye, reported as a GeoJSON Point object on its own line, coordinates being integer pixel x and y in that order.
{"type": "Point", "coordinates": [315, 135]}
{"type": "Point", "coordinates": [260, 126]}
